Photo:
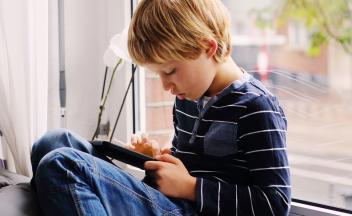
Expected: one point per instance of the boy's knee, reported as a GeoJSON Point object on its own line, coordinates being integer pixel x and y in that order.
{"type": "Point", "coordinates": [53, 167]}
{"type": "Point", "coordinates": [57, 161]}
{"type": "Point", "coordinates": [50, 141]}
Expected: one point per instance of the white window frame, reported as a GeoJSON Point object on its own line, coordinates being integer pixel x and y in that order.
{"type": "Point", "coordinates": [311, 210]}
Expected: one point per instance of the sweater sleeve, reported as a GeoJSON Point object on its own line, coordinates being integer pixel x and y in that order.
{"type": "Point", "coordinates": [174, 139]}
{"type": "Point", "coordinates": [262, 137]}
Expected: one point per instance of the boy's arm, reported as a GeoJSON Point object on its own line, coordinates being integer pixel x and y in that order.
{"type": "Point", "coordinates": [262, 134]}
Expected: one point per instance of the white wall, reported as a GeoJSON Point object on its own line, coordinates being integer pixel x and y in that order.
{"type": "Point", "coordinates": [53, 66]}
{"type": "Point", "coordinates": [89, 25]}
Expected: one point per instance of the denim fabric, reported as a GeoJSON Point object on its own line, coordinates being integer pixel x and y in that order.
{"type": "Point", "coordinates": [72, 179]}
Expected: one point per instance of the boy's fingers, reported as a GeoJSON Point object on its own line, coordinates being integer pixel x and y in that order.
{"type": "Point", "coordinates": [144, 137]}
{"type": "Point", "coordinates": [139, 140]}
{"type": "Point", "coordinates": [153, 165]}
{"type": "Point", "coordinates": [134, 138]}
{"type": "Point", "coordinates": [155, 147]}
{"type": "Point", "coordinates": [168, 158]}
{"type": "Point", "coordinates": [165, 151]}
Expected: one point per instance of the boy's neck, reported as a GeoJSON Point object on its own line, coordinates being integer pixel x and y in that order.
{"type": "Point", "coordinates": [227, 72]}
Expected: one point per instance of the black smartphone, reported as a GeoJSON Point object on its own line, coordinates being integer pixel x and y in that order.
{"type": "Point", "coordinates": [121, 154]}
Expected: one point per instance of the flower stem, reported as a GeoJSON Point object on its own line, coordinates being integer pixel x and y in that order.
{"type": "Point", "coordinates": [104, 99]}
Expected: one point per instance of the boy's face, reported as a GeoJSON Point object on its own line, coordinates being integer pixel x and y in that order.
{"type": "Point", "coordinates": [186, 79]}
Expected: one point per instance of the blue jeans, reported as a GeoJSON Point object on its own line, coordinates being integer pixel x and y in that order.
{"type": "Point", "coordinates": [71, 178]}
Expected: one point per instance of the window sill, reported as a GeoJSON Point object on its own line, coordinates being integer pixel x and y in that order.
{"type": "Point", "coordinates": [310, 210]}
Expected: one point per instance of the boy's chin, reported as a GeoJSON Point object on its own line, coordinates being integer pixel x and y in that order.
{"type": "Point", "coordinates": [181, 97]}
{"type": "Point", "coordinates": [186, 97]}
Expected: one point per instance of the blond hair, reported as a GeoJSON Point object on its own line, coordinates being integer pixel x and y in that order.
{"type": "Point", "coordinates": [164, 30]}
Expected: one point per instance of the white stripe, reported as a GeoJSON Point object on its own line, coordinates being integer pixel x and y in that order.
{"type": "Point", "coordinates": [206, 120]}
{"type": "Point", "coordinates": [276, 186]}
{"type": "Point", "coordinates": [263, 150]}
{"type": "Point", "coordinates": [283, 198]}
{"type": "Point", "coordinates": [272, 212]}
{"type": "Point", "coordinates": [243, 93]}
{"type": "Point", "coordinates": [217, 178]}
{"type": "Point", "coordinates": [236, 201]}
{"type": "Point", "coordinates": [231, 105]}
{"type": "Point", "coordinates": [201, 195]}
{"type": "Point", "coordinates": [269, 168]}
{"type": "Point", "coordinates": [250, 197]}
{"type": "Point", "coordinates": [242, 167]}
{"type": "Point", "coordinates": [188, 132]}
{"type": "Point", "coordinates": [258, 112]}
{"type": "Point", "coordinates": [184, 152]}
{"type": "Point", "coordinates": [283, 194]}
{"type": "Point", "coordinates": [262, 131]}
{"type": "Point", "coordinates": [240, 160]}
{"type": "Point", "coordinates": [219, 198]}
{"type": "Point", "coordinates": [186, 114]}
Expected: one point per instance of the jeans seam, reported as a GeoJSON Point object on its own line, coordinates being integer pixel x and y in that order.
{"type": "Point", "coordinates": [74, 197]}
{"type": "Point", "coordinates": [176, 211]}
{"type": "Point", "coordinates": [79, 163]}
{"type": "Point", "coordinates": [146, 188]}
{"type": "Point", "coordinates": [135, 194]}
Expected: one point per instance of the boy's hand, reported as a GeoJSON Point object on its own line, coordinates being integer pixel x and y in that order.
{"type": "Point", "coordinates": [171, 177]}
{"type": "Point", "coordinates": [142, 144]}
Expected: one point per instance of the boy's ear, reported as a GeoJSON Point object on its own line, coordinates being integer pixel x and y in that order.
{"type": "Point", "coordinates": [212, 47]}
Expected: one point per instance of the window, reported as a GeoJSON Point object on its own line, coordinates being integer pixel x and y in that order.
{"type": "Point", "coordinates": [315, 93]}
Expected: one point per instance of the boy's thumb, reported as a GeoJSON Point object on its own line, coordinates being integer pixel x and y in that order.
{"type": "Point", "coordinates": [168, 158]}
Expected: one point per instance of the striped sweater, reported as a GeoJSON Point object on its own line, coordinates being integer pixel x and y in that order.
{"type": "Point", "coordinates": [235, 145]}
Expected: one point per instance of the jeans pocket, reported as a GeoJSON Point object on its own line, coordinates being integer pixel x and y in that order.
{"type": "Point", "coordinates": [221, 139]}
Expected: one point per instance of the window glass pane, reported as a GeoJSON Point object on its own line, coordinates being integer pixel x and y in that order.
{"type": "Point", "coordinates": [314, 90]}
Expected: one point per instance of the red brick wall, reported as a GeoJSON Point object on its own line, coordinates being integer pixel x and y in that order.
{"type": "Point", "coordinates": [289, 59]}
{"type": "Point", "coordinates": [298, 60]}
{"type": "Point", "coordinates": [159, 124]}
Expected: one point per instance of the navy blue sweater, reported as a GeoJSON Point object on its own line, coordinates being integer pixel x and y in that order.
{"type": "Point", "coordinates": [235, 145]}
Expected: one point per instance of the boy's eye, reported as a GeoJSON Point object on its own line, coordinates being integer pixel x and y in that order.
{"type": "Point", "coordinates": [171, 72]}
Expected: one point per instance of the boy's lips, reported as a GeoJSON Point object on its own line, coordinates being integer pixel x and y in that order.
{"type": "Point", "coordinates": [180, 96]}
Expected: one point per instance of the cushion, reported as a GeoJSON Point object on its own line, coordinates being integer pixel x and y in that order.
{"type": "Point", "coordinates": [9, 178]}
{"type": "Point", "coordinates": [17, 198]}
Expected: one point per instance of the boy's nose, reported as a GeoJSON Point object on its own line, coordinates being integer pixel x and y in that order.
{"type": "Point", "coordinates": [166, 84]}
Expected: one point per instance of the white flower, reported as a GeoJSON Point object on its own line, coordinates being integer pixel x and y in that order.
{"type": "Point", "coordinates": [117, 49]}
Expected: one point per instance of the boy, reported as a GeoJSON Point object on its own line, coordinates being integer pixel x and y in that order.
{"type": "Point", "coordinates": [228, 155]}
